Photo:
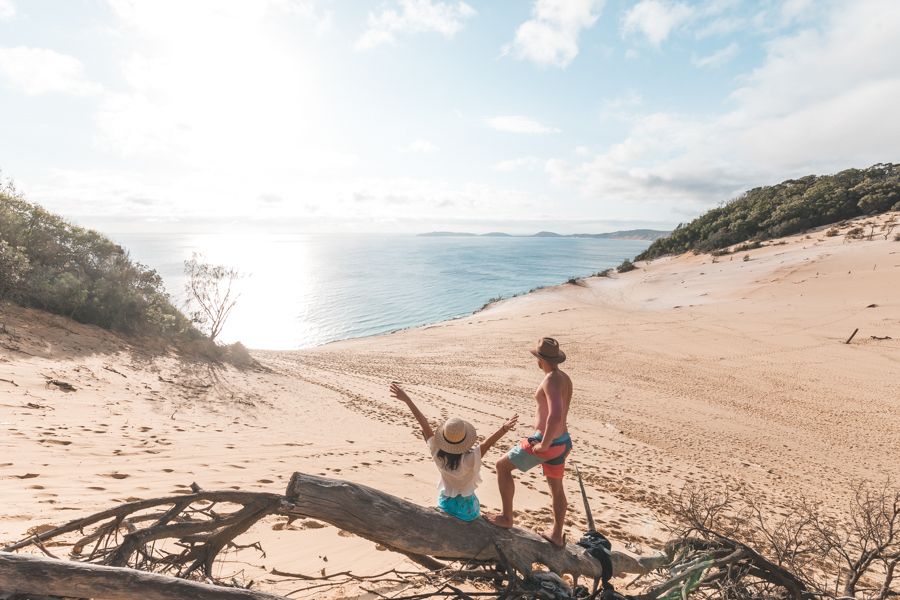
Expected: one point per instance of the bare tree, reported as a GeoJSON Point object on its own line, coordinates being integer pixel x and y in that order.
{"type": "Point", "coordinates": [210, 294]}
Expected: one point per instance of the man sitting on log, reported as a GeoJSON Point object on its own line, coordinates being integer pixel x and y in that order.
{"type": "Point", "coordinates": [548, 447]}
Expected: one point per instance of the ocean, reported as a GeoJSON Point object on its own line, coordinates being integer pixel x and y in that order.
{"type": "Point", "coordinates": [305, 290]}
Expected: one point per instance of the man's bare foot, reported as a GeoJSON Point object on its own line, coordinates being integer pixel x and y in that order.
{"type": "Point", "coordinates": [558, 542]}
{"type": "Point", "coordinates": [499, 520]}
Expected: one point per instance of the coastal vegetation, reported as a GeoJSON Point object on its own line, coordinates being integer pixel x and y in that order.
{"type": "Point", "coordinates": [49, 263]}
{"type": "Point", "coordinates": [789, 207]}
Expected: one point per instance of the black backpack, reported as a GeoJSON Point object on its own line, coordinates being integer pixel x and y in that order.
{"type": "Point", "coordinates": [598, 546]}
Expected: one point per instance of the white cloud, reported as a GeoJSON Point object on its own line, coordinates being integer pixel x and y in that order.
{"type": "Point", "coordinates": [37, 71]}
{"type": "Point", "coordinates": [421, 147]}
{"type": "Point", "coordinates": [7, 10]}
{"type": "Point", "coordinates": [518, 124]}
{"type": "Point", "coordinates": [623, 106]}
{"type": "Point", "coordinates": [516, 164]}
{"type": "Point", "coordinates": [717, 58]}
{"type": "Point", "coordinates": [550, 37]}
{"type": "Point", "coordinates": [655, 19]}
{"type": "Point", "coordinates": [823, 100]}
{"type": "Point", "coordinates": [414, 16]}
{"type": "Point", "coordinates": [195, 98]}
{"type": "Point", "coordinates": [721, 26]}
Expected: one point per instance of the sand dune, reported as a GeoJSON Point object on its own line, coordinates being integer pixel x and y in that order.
{"type": "Point", "coordinates": [718, 372]}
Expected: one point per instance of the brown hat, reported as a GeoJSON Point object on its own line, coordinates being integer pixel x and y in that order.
{"type": "Point", "coordinates": [548, 349]}
{"type": "Point", "coordinates": [455, 436]}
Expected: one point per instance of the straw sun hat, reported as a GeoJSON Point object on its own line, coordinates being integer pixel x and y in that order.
{"type": "Point", "coordinates": [455, 436]}
{"type": "Point", "coordinates": [548, 349]}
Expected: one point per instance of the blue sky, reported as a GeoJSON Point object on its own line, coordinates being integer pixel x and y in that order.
{"type": "Point", "coordinates": [412, 115]}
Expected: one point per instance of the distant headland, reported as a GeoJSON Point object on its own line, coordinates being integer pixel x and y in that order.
{"type": "Point", "coordinates": [630, 234]}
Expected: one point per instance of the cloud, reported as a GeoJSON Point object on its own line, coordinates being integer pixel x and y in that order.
{"type": "Point", "coordinates": [518, 124]}
{"type": "Point", "coordinates": [550, 37]}
{"type": "Point", "coordinates": [516, 164]}
{"type": "Point", "coordinates": [717, 58]}
{"type": "Point", "coordinates": [822, 100]}
{"type": "Point", "coordinates": [622, 107]}
{"type": "Point", "coordinates": [722, 26]}
{"type": "Point", "coordinates": [36, 71]}
{"type": "Point", "coordinates": [421, 147]}
{"type": "Point", "coordinates": [414, 16]}
{"type": "Point", "coordinates": [7, 10]}
{"type": "Point", "coordinates": [655, 19]}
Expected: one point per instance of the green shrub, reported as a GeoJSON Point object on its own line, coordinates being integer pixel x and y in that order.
{"type": "Point", "coordinates": [856, 233]}
{"type": "Point", "coordinates": [48, 263]}
{"type": "Point", "coordinates": [786, 208]}
{"type": "Point", "coordinates": [626, 266]}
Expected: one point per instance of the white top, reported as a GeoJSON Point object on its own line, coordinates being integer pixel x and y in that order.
{"type": "Point", "coordinates": [462, 481]}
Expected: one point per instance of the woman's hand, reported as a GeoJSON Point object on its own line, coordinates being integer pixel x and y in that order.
{"type": "Point", "coordinates": [398, 393]}
{"type": "Point", "coordinates": [510, 424]}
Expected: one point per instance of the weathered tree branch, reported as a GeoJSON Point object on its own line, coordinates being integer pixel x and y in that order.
{"type": "Point", "coordinates": [411, 528]}
{"type": "Point", "coordinates": [31, 575]}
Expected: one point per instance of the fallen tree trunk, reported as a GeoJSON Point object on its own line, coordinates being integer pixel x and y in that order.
{"type": "Point", "coordinates": [32, 575]}
{"type": "Point", "coordinates": [413, 529]}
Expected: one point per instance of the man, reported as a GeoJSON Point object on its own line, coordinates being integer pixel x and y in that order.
{"type": "Point", "coordinates": [548, 447]}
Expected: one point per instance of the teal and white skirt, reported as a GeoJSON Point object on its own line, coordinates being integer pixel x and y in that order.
{"type": "Point", "coordinates": [465, 508]}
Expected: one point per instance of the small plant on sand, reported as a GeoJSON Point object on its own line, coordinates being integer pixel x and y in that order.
{"type": "Point", "coordinates": [832, 232]}
{"type": "Point", "coordinates": [897, 237]}
{"type": "Point", "coordinates": [604, 273]}
{"type": "Point", "coordinates": [491, 301]}
{"type": "Point", "coordinates": [575, 281]}
{"type": "Point", "coordinates": [210, 294]}
{"type": "Point", "coordinates": [746, 257]}
{"type": "Point", "coordinates": [855, 233]}
{"type": "Point", "coordinates": [626, 266]}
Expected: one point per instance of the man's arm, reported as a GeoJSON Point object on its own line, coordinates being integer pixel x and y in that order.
{"type": "Point", "coordinates": [398, 393]}
{"type": "Point", "coordinates": [554, 426]}
{"type": "Point", "coordinates": [508, 426]}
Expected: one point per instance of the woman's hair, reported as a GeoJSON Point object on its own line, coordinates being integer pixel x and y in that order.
{"type": "Point", "coordinates": [451, 461]}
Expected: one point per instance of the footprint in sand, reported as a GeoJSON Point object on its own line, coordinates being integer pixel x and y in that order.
{"type": "Point", "coordinates": [97, 488]}
{"type": "Point", "coordinates": [59, 442]}
{"type": "Point", "coordinates": [168, 470]}
{"type": "Point", "coordinates": [265, 481]}
{"type": "Point", "coordinates": [116, 475]}
{"type": "Point", "coordinates": [27, 476]}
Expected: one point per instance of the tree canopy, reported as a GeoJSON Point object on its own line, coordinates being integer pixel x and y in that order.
{"type": "Point", "coordinates": [48, 263]}
{"type": "Point", "coordinates": [786, 208]}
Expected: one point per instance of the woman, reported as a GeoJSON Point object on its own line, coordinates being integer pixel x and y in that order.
{"type": "Point", "coordinates": [457, 457]}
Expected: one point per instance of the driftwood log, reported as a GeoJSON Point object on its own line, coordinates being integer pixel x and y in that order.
{"type": "Point", "coordinates": [413, 529]}
{"type": "Point", "coordinates": [203, 523]}
{"type": "Point", "coordinates": [32, 575]}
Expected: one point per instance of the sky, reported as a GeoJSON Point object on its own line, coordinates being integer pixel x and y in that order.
{"type": "Point", "coordinates": [418, 115]}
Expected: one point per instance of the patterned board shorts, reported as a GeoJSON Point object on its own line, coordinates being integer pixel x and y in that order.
{"type": "Point", "coordinates": [552, 461]}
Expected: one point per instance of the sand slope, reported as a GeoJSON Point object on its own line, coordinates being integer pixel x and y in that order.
{"type": "Point", "coordinates": [717, 372]}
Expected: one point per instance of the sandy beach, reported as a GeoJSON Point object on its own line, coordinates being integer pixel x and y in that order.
{"type": "Point", "coordinates": [715, 371]}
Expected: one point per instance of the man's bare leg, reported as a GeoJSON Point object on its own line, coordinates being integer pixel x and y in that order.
{"type": "Point", "coordinates": [507, 486]}
{"type": "Point", "coordinates": [560, 505]}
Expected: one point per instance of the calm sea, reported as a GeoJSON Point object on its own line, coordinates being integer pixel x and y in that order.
{"type": "Point", "coordinates": [306, 290]}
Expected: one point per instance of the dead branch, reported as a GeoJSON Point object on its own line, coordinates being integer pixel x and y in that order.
{"type": "Point", "coordinates": [31, 575]}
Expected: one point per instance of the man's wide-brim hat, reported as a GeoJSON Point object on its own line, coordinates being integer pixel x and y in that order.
{"type": "Point", "coordinates": [548, 349]}
{"type": "Point", "coordinates": [455, 436]}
